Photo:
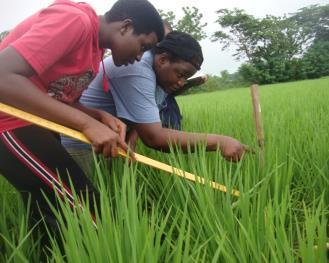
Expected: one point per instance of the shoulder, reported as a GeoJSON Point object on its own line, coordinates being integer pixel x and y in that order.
{"type": "Point", "coordinates": [69, 13]}
{"type": "Point", "coordinates": [141, 69]}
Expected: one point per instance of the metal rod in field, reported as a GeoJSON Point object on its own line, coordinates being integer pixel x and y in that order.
{"type": "Point", "coordinates": [81, 137]}
{"type": "Point", "coordinates": [258, 121]}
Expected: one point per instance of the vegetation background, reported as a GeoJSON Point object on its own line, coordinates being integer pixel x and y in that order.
{"type": "Point", "coordinates": [282, 213]}
{"type": "Point", "coordinates": [150, 216]}
{"type": "Point", "coordinates": [276, 49]}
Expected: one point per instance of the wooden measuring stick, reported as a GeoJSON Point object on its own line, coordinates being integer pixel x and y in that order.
{"type": "Point", "coordinates": [81, 137]}
{"type": "Point", "coordinates": [258, 122]}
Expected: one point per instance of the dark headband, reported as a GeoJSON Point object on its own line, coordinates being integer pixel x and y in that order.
{"type": "Point", "coordinates": [184, 46]}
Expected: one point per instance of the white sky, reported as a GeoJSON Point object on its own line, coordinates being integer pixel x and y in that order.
{"type": "Point", "coordinates": [13, 11]}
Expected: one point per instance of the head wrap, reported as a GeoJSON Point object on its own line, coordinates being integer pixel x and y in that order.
{"type": "Point", "coordinates": [184, 46]}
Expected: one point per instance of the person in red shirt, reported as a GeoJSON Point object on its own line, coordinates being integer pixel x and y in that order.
{"type": "Point", "coordinates": [45, 64]}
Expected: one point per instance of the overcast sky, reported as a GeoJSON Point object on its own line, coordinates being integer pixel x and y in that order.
{"type": "Point", "coordinates": [13, 11]}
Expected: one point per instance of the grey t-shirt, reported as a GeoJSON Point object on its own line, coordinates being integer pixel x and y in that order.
{"type": "Point", "coordinates": [133, 94]}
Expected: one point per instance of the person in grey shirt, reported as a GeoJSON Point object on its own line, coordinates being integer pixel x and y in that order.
{"type": "Point", "coordinates": [132, 96]}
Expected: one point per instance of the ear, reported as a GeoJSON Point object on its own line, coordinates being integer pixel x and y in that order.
{"type": "Point", "coordinates": [163, 58]}
{"type": "Point", "coordinates": [126, 26]}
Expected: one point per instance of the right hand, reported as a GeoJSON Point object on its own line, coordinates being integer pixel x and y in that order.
{"type": "Point", "coordinates": [131, 139]}
{"type": "Point", "coordinates": [204, 78]}
{"type": "Point", "coordinates": [231, 149]}
{"type": "Point", "coordinates": [103, 139]}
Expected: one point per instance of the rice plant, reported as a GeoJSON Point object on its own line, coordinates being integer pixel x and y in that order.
{"type": "Point", "coordinates": [147, 215]}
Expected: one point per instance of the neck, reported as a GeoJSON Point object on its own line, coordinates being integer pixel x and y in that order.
{"type": "Point", "coordinates": [101, 33]}
{"type": "Point", "coordinates": [155, 57]}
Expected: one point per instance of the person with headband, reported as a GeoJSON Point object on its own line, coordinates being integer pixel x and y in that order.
{"type": "Point", "coordinates": [170, 113]}
{"type": "Point", "coordinates": [132, 98]}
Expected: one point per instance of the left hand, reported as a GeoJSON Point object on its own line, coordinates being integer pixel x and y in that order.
{"type": "Point", "coordinates": [114, 123]}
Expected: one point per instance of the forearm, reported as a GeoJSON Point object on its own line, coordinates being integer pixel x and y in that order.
{"type": "Point", "coordinates": [156, 137]}
{"type": "Point", "coordinates": [164, 138]}
{"type": "Point", "coordinates": [190, 140]}
{"type": "Point", "coordinates": [20, 92]}
{"type": "Point", "coordinates": [95, 113]}
{"type": "Point", "coordinates": [230, 148]}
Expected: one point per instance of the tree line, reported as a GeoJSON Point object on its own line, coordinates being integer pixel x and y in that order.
{"type": "Point", "coordinates": [278, 49]}
{"type": "Point", "coordinates": [274, 49]}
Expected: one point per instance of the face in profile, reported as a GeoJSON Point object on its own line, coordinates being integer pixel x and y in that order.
{"type": "Point", "coordinates": [129, 47]}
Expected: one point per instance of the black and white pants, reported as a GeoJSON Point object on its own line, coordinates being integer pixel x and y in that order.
{"type": "Point", "coordinates": [37, 165]}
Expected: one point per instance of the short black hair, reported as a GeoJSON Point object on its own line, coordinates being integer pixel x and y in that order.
{"type": "Point", "coordinates": [180, 45]}
{"type": "Point", "coordinates": [143, 14]}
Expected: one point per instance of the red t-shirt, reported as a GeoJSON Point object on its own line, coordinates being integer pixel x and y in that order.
{"type": "Point", "coordinates": [60, 43]}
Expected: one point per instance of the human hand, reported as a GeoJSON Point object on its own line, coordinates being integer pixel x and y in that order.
{"type": "Point", "coordinates": [103, 139]}
{"type": "Point", "coordinates": [197, 80]}
{"type": "Point", "coordinates": [114, 123]}
{"type": "Point", "coordinates": [204, 78]}
{"type": "Point", "coordinates": [117, 126]}
{"type": "Point", "coordinates": [231, 149]}
{"type": "Point", "coordinates": [131, 139]}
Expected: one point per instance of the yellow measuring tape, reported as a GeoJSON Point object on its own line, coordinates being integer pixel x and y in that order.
{"type": "Point", "coordinates": [81, 137]}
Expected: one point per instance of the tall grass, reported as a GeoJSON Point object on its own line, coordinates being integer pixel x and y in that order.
{"type": "Point", "coordinates": [147, 215]}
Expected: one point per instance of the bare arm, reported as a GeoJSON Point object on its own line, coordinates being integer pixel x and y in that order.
{"type": "Point", "coordinates": [131, 139]}
{"type": "Point", "coordinates": [154, 136]}
{"type": "Point", "coordinates": [104, 117]}
{"type": "Point", "coordinates": [17, 90]}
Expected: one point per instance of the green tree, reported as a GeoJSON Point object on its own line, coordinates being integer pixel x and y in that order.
{"type": "Point", "coordinates": [316, 60]}
{"type": "Point", "coordinates": [190, 22]}
{"type": "Point", "coordinates": [313, 21]}
{"type": "Point", "coordinates": [169, 16]}
{"type": "Point", "coordinates": [238, 30]}
{"type": "Point", "coordinates": [271, 45]}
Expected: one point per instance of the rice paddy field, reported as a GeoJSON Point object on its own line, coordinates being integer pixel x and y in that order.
{"type": "Point", "coordinates": [147, 215]}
